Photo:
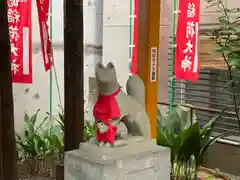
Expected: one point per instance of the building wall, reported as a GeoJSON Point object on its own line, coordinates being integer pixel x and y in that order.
{"type": "Point", "coordinates": [116, 30]}
{"type": "Point", "coordinates": [30, 97]}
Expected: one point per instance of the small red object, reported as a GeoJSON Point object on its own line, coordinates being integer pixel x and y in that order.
{"type": "Point", "coordinates": [108, 136]}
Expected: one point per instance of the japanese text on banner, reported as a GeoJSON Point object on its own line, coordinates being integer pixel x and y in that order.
{"type": "Point", "coordinates": [186, 66]}
{"type": "Point", "coordinates": [19, 24]}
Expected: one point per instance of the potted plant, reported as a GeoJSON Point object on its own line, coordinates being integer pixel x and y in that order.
{"type": "Point", "coordinates": [37, 151]}
{"type": "Point", "coordinates": [89, 131]}
{"type": "Point", "coordinates": [188, 142]}
{"type": "Point", "coordinates": [31, 146]}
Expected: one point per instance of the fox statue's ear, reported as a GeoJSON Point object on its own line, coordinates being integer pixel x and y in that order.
{"type": "Point", "coordinates": [99, 66]}
{"type": "Point", "coordinates": [110, 65]}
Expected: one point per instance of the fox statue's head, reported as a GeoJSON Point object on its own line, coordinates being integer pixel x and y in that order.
{"type": "Point", "coordinates": [106, 78]}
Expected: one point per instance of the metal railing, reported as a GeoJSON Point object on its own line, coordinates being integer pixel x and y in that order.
{"type": "Point", "coordinates": [198, 110]}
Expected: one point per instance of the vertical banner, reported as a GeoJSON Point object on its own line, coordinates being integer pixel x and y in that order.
{"type": "Point", "coordinates": [20, 34]}
{"type": "Point", "coordinates": [186, 66]}
{"type": "Point", "coordinates": [43, 13]}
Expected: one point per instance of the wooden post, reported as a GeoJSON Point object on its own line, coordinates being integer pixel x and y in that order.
{"type": "Point", "coordinates": [73, 73]}
{"type": "Point", "coordinates": [7, 139]}
{"type": "Point", "coordinates": [148, 54]}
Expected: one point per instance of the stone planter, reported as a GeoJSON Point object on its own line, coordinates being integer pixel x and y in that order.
{"type": "Point", "coordinates": [38, 169]}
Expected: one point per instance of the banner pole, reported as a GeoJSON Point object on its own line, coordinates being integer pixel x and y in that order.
{"type": "Point", "coordinates": [51, 74]}
{"type": "Point", "coordinates": [175, 12]}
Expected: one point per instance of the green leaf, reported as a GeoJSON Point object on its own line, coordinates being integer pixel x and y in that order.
{"type": "Point", "coordinates": [223, 21]}
{"type": "Point", "coordinates": [233, 61]}
{"type": "Point", "coordinates": [17, 137]}
{"type": "Point", "coordinates": [190, 142]}
{"type": "Point", "coordinates": [208, 144]}
{"type": "Point", "coordinates": [33, 119]}
{"type": "Point", "coordinates": [61, 120]}
{"type": "Point", "coordinates": [212, 3]}
{"type": "Point", "coordinates": [222, 17]}
{"type": "Point", "coordinates": [37, 144]}
{"type": "Point", "coordinates": [41, 125]}
{"type": "Point", "coordinates": [236, 74]}
{"type": "Point", "coordinates": [26, 117]}
{"type": "Point", "coordinates": [173, 121]}
{"type": "Point", "coordinates": [55, 143]}
{"type": "Point", "coordinates": [211, 123]}
{"type": "Point", "coordinates": [237, 29]}
{"type": "Point", "coordinates": [29, 128]}
{"type": "Point", "coordinates": [162, 133]}
{"type": "Point", "coordinates": [222, 49]}
{"type": "Point", "coordinates": [58, 144]}
{"type": "Point", "coordinates": [61, 117]}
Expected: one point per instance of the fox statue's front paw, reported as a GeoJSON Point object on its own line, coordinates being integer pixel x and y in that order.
{"type": "Point", "coordinates": [101, 143]}
{"type": "Point", "coordinates": [104, 144]}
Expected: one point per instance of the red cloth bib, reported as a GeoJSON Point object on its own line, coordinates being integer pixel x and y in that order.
{"type": "Point", "coordinates": [106, 107]}
{"type": "Point", "coordinates": [105, 110]}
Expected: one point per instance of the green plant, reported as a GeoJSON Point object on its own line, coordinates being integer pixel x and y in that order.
{"type": "Point", "coordinates": [89, 131]}
{"type": "Point", "coordinates": [227, 38]}
{"type": "Point", "coordinates": [34, 144]}
{"type": "Point", "coordinates": [60, 119]}
{"type": "Point", "coordinates": [55, 145]}
{"type": "Point", "coordinates": [55, 142]}
{"type": "Point", "coordinates": [37, 144]}
{"type": "Point", "coordinates": [30, 145]}
{"type": "Point", "coordinates": [187, 145]}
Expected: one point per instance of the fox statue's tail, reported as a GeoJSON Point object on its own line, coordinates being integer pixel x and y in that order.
{"type": "Point", "coordinates": [135, 88]}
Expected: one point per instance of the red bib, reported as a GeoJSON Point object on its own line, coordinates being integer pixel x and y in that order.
{"type": "Point", "coordinates": [106, 107]}
{"type": "Point", "coordinates": [105, 110]}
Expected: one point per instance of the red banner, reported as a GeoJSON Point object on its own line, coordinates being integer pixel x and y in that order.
{"type": "Point", "coordinates": [186, 66]}
{"type": "Point", "coordinates": [43, 12]}
{"type": "Point", "coordinates": [20, 33]}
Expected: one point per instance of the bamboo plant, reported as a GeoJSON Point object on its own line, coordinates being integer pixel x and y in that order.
{"type": "Point", "coordinates": [227, 39]}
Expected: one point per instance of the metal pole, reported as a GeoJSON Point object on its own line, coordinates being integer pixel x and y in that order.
{"type": "Point", "coordinates": [173, 53]}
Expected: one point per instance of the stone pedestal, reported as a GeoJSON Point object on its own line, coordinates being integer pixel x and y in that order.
{"type": "Point", "coordinates": [140, 161]}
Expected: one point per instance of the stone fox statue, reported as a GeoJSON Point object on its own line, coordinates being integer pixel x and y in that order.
{"type": "Point", "coordinates": [117, 114]}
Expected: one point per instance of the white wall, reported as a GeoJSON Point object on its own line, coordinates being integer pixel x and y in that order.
{"type": "Point", "coordinates": [30, 97]}
{"type": "Point", "coordinates": [116, 29]}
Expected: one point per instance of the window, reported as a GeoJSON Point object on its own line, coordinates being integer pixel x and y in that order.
{"type": "Point", "coordinates": [210, 94]}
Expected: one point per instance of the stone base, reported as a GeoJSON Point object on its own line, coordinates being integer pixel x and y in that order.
{"type": "Point", "coordinates": [139, 161]}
